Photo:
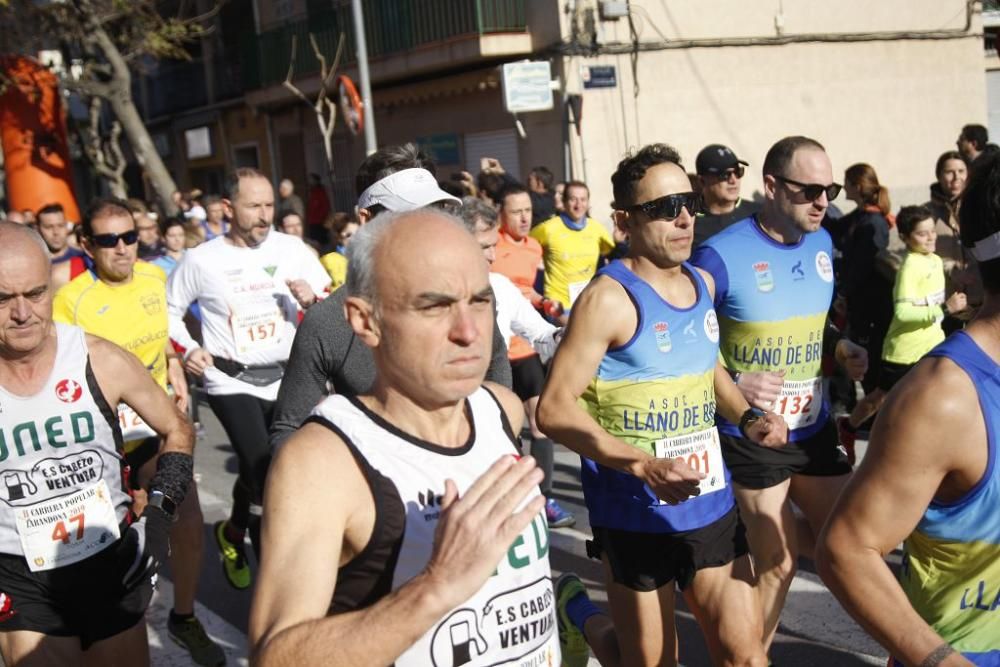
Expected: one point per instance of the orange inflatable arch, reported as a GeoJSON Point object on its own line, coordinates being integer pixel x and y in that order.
{"type": "Point", "coordinates": [33, 136]}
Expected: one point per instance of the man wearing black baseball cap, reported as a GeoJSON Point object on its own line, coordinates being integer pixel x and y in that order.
{"type": "Point", "coordinates": [720, 172]}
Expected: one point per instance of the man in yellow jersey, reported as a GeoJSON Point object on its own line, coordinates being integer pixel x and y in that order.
{"type": "Point", "coordinates": [930, 477]}
{"type": "Point", "coordinates": [125, 301]}
{"type": "Point", "coordinates": [572, 243]}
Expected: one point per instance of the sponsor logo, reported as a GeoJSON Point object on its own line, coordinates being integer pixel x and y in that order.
{"type": "Point", "coordinates": [662, 333]}
{"type": "Point", "coordinates": [712, 326]}
{"type": "Point", "coordinates": [69, 391]}
{"type": "Point", "coordinates": [762, 274]}
{"type": "Point", "coordinates": [152, 304]}
{"type": "Point", "coordinates": [6, 607]}
{"type": "Point", "coordinates": [797, 272]}
{"type": "Point", "coordinates": [824, 267]}
{"type": "Point", "coordinates": [689, 333]}
{"type": "Point", "coordinates": [103, 309]}
{"type": "Point", "coordinates": [430, 505]}
{"type": "Point", "coordinates": [270, 270]}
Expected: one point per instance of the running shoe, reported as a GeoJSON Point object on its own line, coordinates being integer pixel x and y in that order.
{"type": "Point", "coordinates": [557, 516]}
{"type": "Point", "coordinates": [572, 644]}
{"type": "Point", "coordinates": [234, 559]}
{"type": "Point", "coordinates": [190, 635]}
{"type": "Point", "coordinates": [847, 436]}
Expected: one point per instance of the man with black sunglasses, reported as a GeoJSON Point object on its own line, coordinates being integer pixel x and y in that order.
{"type": "Point", "coordinates": [720, 173]}
{"type": "Point", "coordinates": [634, 388]}
{"type": "Point", "coordinates": [124, 300]}
{"type": "Point", "coordinates": [773, 274]}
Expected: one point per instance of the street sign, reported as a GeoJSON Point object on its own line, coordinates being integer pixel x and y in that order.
{"type": "Point", "coordinates": [599, 76]}
{"type": "Point", "coordinates": [527, 86]}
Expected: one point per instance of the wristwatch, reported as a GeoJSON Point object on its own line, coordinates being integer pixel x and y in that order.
{"type": "Point", "coordinates": [751, 415]}
{"type": "Point", "coordinates": [166, 504]}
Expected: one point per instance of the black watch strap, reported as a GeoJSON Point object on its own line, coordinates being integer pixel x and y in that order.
{"type": "Point", "coordinates": [163, 502]}
{"type": "Point", "coordinates": [751, 415]}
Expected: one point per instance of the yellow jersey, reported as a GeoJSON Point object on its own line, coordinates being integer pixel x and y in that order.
{"type": "Point", "coordinates": [133, 315]}
{"type": "Point", "coordinates": [335, 265]}
{"type": "Point", "coordinates": [570, 256]}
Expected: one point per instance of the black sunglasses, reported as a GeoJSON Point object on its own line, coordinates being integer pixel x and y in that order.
{"type": "Point", "coordinates": [111, 240]}
{"type": "Point", "coordinates": [669, 207]}
{"type": "Point", "coordinates": [736, 171]}
{"type": "Point", "coordinates": [813, 191]}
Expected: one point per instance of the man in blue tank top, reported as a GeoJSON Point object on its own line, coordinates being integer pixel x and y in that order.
{"type": "Point", "coordinates": [774, 284]}
{"type": "Point", "coordinates": [634, 388]}
{"type": "Point", "coordinates": [931, 477]}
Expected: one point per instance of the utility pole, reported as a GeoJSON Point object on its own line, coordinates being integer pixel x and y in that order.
{"type": "Point", "coordinates": [366, 84]}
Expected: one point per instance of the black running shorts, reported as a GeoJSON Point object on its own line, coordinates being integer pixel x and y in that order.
{"type": "Point", "coordinates": [757, 467]}
{"type": "Point", "coordinates": [528, 376]}
{"type": "Point", "coordinates": [86, 599]}
{"type": "Point", "coordinates": [647, 561]}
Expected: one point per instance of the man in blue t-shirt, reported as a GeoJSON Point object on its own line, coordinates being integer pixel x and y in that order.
{"type": "Point", "coordinates": [773, 274]}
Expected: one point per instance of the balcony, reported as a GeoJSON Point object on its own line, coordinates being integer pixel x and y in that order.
{"type": "Point", "coordinates": [404, 37]}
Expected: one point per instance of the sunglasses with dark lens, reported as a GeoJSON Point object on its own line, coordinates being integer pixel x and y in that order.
{"type": "Point", "coordinates": [669, 207]}
{"type": "Point", "coordinates": [736, 171]}
{"type": "Point", "coordinates": [111, 240]}
{"type": "Point", "coordinates": [813, 191]}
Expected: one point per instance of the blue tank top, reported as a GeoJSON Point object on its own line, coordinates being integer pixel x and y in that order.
{"type": "Point", "coordinates": [951, 569]}
{"type": "Point", "coordinates": [772, 300]}
{"type": "Point", "coordinates": [657, 393]}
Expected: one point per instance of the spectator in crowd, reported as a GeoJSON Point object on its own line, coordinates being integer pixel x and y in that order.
{"type": "Point", "coordinates": [720, 173]}
{"type": "Point", "coordinates": [291, 223]}
{"type": "Point", "coordinates": [959, 266]}
{"type": "Point", "coordinates": [866, 290]}
{"type": "Point", "coordinates": [317, 210]}
{"type": "Point", "coordinates": [150, 245]}
{"type": "Point", "coordinates": [543, 201]}
{"type": "Point", "coordinates": [174, 244]}
{"type": "Point", "coordinates": [54, 229]}
{"type": "Point", "coordinates": [972, 142]}
{"type": "Point", "coordinates": [215, 222]}
{"type": "Point", "coordinates": [289, 201]}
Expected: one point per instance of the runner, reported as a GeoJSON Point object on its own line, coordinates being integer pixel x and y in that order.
{"type": "Point", "coordinates": [250, 285]}
{"type": "Point", "coordinates": [525, 330]}
{"type": "Point", "coordinates": [420, 557]}
{"type": "Point", "coordinates": [572, 242]}
{"type": "Point", "coordinates": [125, 301]}
{"type": "Point", "coordinates": [54, 230]}
{"type": "Point", "coordinates": [76, 568]}
{"type": "Point", "coordinates": [326, 357]}
{"type": "Point", "coordinates": [930, 476]}
{"type": "Point", "coordinates": [648, 378]}
{"type": "Point", "coordinates": [774, 284]}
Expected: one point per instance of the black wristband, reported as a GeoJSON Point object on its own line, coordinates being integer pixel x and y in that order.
{"type": "Point", "coordinates": [174, 472]}
{"type": "Point", "coordinates": [751, 415]}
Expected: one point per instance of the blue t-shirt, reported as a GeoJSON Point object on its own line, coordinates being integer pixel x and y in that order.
{"type": "Point", "coordinates": [772, 301]}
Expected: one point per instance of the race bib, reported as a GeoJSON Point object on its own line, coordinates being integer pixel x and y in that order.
{"type": "Point", "coordinates": [69, 529]}
{"type": "Point", "coordinates": [800, 402]}
{"type": "Point", "coordinates": [575, 289]}
{"type": "Point", "coordinates": [701, 451]}
{"type": "Point", "coordinates": [133, 426]}
{"type": "Point", "coordinates": [256, 329]}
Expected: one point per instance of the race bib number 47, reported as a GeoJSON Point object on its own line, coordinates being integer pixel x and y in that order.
{"type": "Point", "coordinates": [701, 451]}
{"type": "Point", "coordinates": [69, 529]}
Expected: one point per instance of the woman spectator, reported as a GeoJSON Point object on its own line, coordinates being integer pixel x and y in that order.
{"type": "Point", "coordinates": [867, 292]}
{"type": "Point", "coordinates": [174, 233]}
{"type": "Point", "coordinates": [960, 271]}
{"type": "Point", "coordinates": [342, 228]}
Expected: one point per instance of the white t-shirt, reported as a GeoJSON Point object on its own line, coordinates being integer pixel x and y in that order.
{"type": "Point", "coordinates": [248, 313]}
{"type": "Point", "coordinates": [516, 316]}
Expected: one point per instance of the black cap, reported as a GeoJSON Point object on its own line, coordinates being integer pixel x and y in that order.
{"type": "Point", "coordinates": [715, 159]}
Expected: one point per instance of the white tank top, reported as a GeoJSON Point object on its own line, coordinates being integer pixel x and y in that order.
{"type": "Point", "coordinates": [62, 473]}
{"type": "Point", "coordinates": [511, 619]}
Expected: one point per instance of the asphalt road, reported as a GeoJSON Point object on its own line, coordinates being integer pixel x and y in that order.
{"type": "Point", "coordinates": [814, 630]}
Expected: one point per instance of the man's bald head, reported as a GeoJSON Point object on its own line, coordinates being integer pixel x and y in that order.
{"type": "Point", "coordinates": [403, 237]}
{"type": "Point", "coordinates": [18, 239]}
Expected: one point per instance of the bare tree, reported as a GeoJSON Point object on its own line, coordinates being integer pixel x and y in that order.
{"type": "Point", "coordinates": [107, 38]}
{"type": "Point", "coordinates": [324, 107]}
{"type": "Point", "coordinates": [104, 153]}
